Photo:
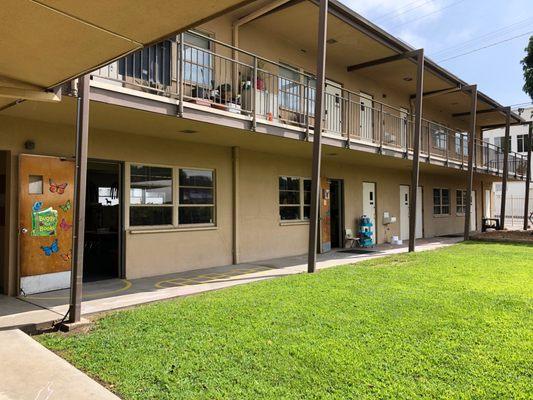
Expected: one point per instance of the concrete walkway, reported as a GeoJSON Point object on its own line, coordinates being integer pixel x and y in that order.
{"type": "Point", "coordinates": [117, 293]}
{"type": "Point", "coordinates": [29, 371]}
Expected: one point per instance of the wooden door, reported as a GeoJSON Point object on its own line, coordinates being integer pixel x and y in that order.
{"type": "Point", "coordinates": [325, 216]}
{"type": "Point", "coordinates": [46, 195]}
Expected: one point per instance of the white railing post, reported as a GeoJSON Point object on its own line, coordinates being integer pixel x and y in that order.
{"type": "Point", "coordinates": [254, 95]}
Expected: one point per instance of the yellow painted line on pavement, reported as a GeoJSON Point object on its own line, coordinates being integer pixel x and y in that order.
{"type": "Point", "coordinates": [127, 285]}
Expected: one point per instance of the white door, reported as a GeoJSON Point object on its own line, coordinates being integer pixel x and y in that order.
{"type": "Point", "coordinates": [333, 107]}
{"type": "Point", "coordinates": [366, 117]}
{"type": "Point", "coordinates": [473, 211]}
{"type": "Point", "coordinates": [369, 205]}
{"type": "Point", "coordinates": [487, 203]}
{"type": "Point", "coordinates": [404, 212]}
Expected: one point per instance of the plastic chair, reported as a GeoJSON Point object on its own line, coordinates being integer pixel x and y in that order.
{"type": "Point", "coordinates": [349, 237]}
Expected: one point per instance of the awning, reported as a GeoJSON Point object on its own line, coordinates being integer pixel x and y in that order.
{"type": "Point", "coordinates": [47, 42]}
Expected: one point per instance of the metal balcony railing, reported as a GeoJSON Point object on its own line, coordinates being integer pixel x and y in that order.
{"type": "Point", "coordinates": [230, 79]}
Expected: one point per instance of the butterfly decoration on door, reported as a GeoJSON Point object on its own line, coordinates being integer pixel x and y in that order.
{"type": "Point", "coordinates": [66, 256]}
{"type": "Point", "coordinates": [49, 250]}
{"type": "Point", "coordinates": [65, 225]}
{"type": "Point", "coordinates": [65, 207]}
{"type": "Point", "coordinates": [57, 188]}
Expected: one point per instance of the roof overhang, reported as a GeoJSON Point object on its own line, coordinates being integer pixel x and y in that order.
{"type": "Point", "coordinates": [48, 42]}
{"type": "Point", "coordinates": [398, 46]}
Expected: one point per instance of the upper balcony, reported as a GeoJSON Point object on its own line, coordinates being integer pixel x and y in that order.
{"type": "Point", "coordinates": [195, 71]}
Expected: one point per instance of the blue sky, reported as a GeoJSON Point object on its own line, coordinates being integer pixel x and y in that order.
{"type": "Point", "coordinates": [447, 28]}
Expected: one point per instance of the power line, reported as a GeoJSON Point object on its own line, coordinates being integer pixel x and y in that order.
{"type": "Point", "coordinates": [427, 15]}
{"type": "Point", "coordinates": [392, 17]}
{"type": "Point", "coordinates": [521, 104]}
{"type": "Point", "coordinates": [464, 45]}
{"type": "Point", "coordinates": [485, 47]}
{"type": "Point", "coordinates": [380, 17]}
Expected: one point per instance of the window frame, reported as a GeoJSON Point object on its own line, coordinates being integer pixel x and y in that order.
{"type": "Point", "coordinates": [460, 194]}
{"type": "Point", "coordinates": [296, 101]}
{"type": "Point", "coordinates": [174, 226]}
{"type": "Point", "coordinates": [461, 138]}
{"type": "Point", "coordinates": [441, 204]}
{"type": "Point", "coordinates": [301, 204]}
{"type": "Point", "coordinates": [439, 136]}
{"type": "Point", "coordinates": [210, 52]}
{"type": "Point", "coordinates": [213, 205]}
{"type": "Point", "coordinates": [499, 141]}
{"type": "Point", "coordinates": [522, 143]}
{"type": "Point", "coordinates": [127, 213]}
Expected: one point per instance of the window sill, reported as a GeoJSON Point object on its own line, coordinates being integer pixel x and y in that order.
{"type": "Point", "coordinates": [441, 215]}
{"type": "Point", "coordinates": [185, 228]}
{"type": "Point", "coordinates": [296, 222]}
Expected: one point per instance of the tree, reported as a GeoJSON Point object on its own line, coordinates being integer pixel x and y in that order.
{"type": "Point", "coordinates": [527, 66]}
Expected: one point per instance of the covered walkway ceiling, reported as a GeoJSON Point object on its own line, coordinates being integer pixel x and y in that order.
{"type": "Point", "coordinates": [47, 42]}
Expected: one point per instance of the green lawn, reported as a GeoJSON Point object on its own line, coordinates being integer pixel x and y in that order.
{"type": "Point", "coordinates": [452, 323]}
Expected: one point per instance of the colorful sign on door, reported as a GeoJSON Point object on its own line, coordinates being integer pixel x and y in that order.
{"type": "Point", "coordinates": [44, 222]}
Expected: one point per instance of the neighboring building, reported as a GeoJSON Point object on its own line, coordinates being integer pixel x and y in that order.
{"type": "Point", "coordinates": [515, 190]}
{"type": "Point", "coordinates": [223, 176]}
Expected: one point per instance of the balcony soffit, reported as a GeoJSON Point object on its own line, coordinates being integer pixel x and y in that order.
{"type": "Point", "coordinates": [46, 42]}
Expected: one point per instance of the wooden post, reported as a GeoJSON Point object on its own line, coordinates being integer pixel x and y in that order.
{"type": "Point", "coordinates": [235, 156]}
{"type": "Point", "coordinates": [181, 73]}
{"type": "Point", "coordinates": [317, 136]}
{"type": "Point", "coordinates": [416, 149]}
{"type": "Point", "coordinates": [505, 165]}
{"type": "Point", "coordinates": [528, 175]}
{"type": "Point", "coordinates": [471, 149]}
{"type": "Point", "coordinates": [80, 185]}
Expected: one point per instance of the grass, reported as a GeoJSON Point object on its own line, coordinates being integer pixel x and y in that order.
{"type": "Point", "coordinates": [453, 323]}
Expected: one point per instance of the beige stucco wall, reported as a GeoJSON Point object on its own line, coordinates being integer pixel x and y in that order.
{"type": "Point", "coordinates": [261, 235]}
{"type": "Point", "coordinates": [146, 254]}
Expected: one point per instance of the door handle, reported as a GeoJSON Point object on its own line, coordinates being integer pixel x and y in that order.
{"type": "Point", "coordinates": [23, 230]}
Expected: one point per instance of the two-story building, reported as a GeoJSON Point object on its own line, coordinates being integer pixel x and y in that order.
{"type": "Point", "coordinates": [518, 142]}
{"type": "Point", "coordinates": [200, 150]}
